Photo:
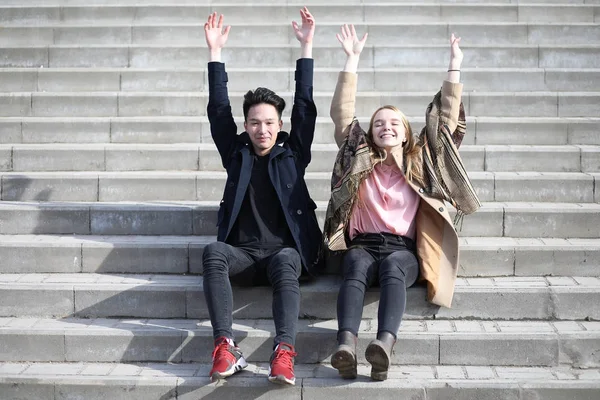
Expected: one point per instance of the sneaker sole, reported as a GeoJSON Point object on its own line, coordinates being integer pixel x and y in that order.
{"type": "Point", "coordinates": [379, 361]}
{"type": "Point", "coordinates": [345, 363]}
{"type": "Point", "coordinates": [282, 380]}
{"type": "Point", "coordinates": [238, 366]}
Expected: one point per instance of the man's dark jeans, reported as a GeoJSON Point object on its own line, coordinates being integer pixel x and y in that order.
{"type": "Point", "coordinates": [376, 258]}
{"type": "Point", "coordinates": [251, 266]}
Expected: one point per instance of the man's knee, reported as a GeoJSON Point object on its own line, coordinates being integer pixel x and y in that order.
{"type": "Point", "coordinates": [286, 262]}
{"type": "Point", "coordinates": [214, 256]}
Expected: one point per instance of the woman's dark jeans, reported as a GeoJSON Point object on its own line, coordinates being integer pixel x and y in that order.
{"type": "Point", "coordinates": [279, 267]}
{"type": "Point", "coordinates": [386, 259]}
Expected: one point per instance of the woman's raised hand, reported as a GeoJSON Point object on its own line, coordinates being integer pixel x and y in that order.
{"type": "Point", "coordinates": [350, 43]}
{"type": "Point", "coordinates": [456, 54]}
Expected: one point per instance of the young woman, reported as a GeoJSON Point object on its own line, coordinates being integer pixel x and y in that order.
{"type": "Point", "coordinates": [387, 207]}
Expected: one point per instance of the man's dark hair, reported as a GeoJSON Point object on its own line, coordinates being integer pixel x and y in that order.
{"type": "Point", "coordinates": [262, 95]}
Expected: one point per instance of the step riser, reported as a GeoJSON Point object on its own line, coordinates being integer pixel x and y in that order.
{"type": "Point", "coordinates": [188, 187]}
{"type": "Point", "coordinates": [100, 81]}
{"type": "Point", "coordinates": [183, 256]}
{"type": "Point", "coordinates": [402, 34]}
{"type": "Point", "coordinates": [249, 386]}
{"type": "Point", "coordinates": [123, 104]}
{"type": "Point", "coordinates": [510, 221]}
{"type": "Point", "coordinates": [243, 14]}
{"type": "Point", "coordinates": [88, 301]}
{"type": "Point", "coordinates": [206, 158]}
{"type": "Point", "coordinates": [284, 56]}
{"type": "Point", "coordinates": [313, 347]}
{"type": "Point", "coordinates": [104, 130]}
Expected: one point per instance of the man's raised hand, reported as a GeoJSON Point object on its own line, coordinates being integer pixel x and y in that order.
{"type": "Point", "coordinates": [215, 35]}
{"type": "Point", "coordinates": [306, 32]}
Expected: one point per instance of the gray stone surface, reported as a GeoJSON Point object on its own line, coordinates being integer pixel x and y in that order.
{"type": "Point", "coordinates": [580, 352]}
{"type": "Point", "coordinates": [573, 220]}
{"type": "Point", "coordinates": [130, 389]}
{"type": "Point", "coordinates": [149, 220]}
{"type": "Point", "coordinates": [73, 56]}
{"type": "Point", "coordinates": [140, 345]}
{"type": "Point", "coordinates": [27, 256]}
{"type": "Point", "coordinates": [27, 346]}
{"type": "Point", "coordinates": [140, 157]}
{"type": "Point", "coordinates": [135, 257]}
{"type": "Point", "coordinates": [471, 392]}
{"type": "Point", "coordinates": [134, 301]}
{"type": "Point", "coordinates": [74, 105]}
{"type": "Point", "coordinates": [10, 132]}
{"type": "Point", "coordinates": [66, 131]}
{"type": "Point", "coordinates": [11, 390]}
{"type": "Point", "coordinates": [5, 158]}
{"type": "Point", "coordinates": [177, 130]}
{"type": "Point", "coordinates": [24, 57]}
{"type": "Point", "coordinates": [499, 350]}
{"type": "Point", "coordinates": [32, 218]}
{"type": "Point", "coordinates": [38, 187]}
{"type": "Point", "coordinates": [76, 80]}
{"type": "Point", "coordinates": [58, 158]}
{"type": "Point", "coordinates": [147, 187]}
{"type": "Point", "coordinates": [201, 388]}
{"type": "Point", "coordinates": [45, 301]}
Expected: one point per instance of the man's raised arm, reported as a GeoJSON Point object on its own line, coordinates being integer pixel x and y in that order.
{"type": "Point", "coordinates": [222, 126]}
{"type": "Point", "coordinates": [304, 111]}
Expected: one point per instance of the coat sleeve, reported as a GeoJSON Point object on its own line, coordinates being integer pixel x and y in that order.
{"type": "Point", "coordinates": [343, 105]}
{"type": "Point", "coordinates": [222, 125]}
{"type": "Point", "coordinates": [304, 110]}
{"type": "Point", "coordinates": [451, 100]}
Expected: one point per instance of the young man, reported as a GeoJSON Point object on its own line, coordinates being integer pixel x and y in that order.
{"type": "Point", "coordinates": [267, 228]}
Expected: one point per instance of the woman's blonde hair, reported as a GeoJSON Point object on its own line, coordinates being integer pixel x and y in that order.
{"type": "Point", "coordinates": [411, 149]}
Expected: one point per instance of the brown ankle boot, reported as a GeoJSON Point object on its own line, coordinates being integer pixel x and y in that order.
{"type": "Point", "coordinates": [344, 358]}
{"type": "Point", "coordinates": [379, 354]}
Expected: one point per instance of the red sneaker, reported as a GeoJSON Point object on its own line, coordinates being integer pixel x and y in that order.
{"type": "Point", "coordinates": [282, 364]}
{"type": "Point", "coordinates": [227, 359]}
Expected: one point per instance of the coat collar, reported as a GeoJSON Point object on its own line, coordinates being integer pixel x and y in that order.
{"type": "Point", "coordinates": [277, 149]}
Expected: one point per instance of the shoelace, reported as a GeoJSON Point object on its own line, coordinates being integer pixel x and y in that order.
{"type": "Point", "coordinates": [285, 357]}
{"type": "Point", "coordinates": [222, 350]}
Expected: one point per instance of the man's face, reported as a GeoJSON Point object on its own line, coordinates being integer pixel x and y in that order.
{"type": "Point", "coordinates": [263, 125]}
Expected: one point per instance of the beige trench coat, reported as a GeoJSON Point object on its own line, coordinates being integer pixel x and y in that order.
{"type": "Point", "coordinates": [436, 238]}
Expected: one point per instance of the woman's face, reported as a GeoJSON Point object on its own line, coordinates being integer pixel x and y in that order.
{"type": "Point", "coordinates": [388, 129]}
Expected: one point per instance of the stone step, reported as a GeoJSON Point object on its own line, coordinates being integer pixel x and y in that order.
{"type": "Point", "coordinates": [208, 186]}
{"type": "Point", "coordinates": [171, 130]}
{"type": "Point", "coordinates": [291, 2]}
{"type": "Point", "coordinates": [168, 296]}
{"type": "Point", "coordinates": [476, 32]}
{"type": "Point", "coordinates": [205, 157]}
{"type": "Point", "coordinates": [135, 104]}
{"type": "Point", "coordinates": [120, 381]}
{"type": "Point", "coordinates": [355, 13]}
{"type": "Point", "coordinates": [492, 256]}
{"type": "Point", "coordinates": [506, 219]}
{"type": "Point", "coordinates": [386, 55]}
{"type": "Point", "coordinates": [491, 343]}
{"type": "Point", "coordinates": [282, 79]}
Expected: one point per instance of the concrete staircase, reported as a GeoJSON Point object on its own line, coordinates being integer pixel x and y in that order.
{"type": "Point", "coordinates": [110, 185]}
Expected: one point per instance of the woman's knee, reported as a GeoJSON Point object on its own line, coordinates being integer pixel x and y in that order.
{"type": "Point", "coordinates": [400, 265]}
{"type": "Point", "coordinates": [357, 267]}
